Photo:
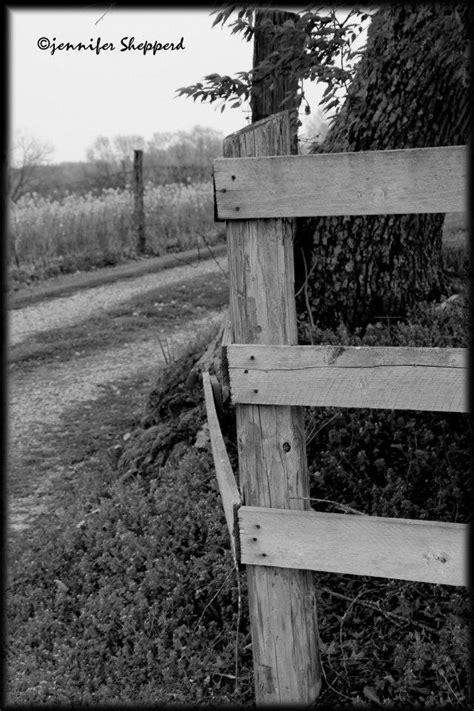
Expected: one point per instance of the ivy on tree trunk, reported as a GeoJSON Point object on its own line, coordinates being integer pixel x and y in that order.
{"type": "Point", "coordinates": [410, 91]}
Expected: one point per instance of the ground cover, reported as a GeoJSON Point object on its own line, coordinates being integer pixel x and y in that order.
{"type": "Point", "coordinates": [127, 592]}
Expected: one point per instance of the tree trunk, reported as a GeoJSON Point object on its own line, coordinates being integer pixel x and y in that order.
{"type": "Point", "coordinates": [410, 91]}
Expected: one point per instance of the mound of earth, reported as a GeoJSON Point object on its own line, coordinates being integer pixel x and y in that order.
{"type": "Point", "coordinates": [175, 414]}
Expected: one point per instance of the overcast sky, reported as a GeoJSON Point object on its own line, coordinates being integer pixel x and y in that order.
{"type": "Point", "coordinates": [68, 98]}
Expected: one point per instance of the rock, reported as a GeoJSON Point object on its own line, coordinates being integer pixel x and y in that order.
{"type": "Point", "coordinates": [451, 301]}
{"type": "Point", "coordinates": [203, 438]}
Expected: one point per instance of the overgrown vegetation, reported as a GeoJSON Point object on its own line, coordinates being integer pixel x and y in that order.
{"type": "Point", "coordinates": [48, 237]}
{"type": "Point", "coordinates": [130, 607]}
{"type": "Point", "coordinates": [129, 595]}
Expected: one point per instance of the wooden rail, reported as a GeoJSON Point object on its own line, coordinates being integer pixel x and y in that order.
{"type": "Point", "coordinates": [433, 379]}
{"type": "Point", "coordinates": [229, 492]}
{"type": "Point", "coordinates": [363, 183]}
{"type": "Point", "coordinates": [271, 378]}
{"type": "Point", "coordinates": [403, 549]}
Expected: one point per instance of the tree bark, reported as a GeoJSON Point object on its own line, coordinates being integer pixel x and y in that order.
{"type": "Point", "coordinates": [410, 91]}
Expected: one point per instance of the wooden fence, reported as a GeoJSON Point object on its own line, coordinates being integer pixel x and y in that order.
{"type": "Point", "coordinates": [277, 376]}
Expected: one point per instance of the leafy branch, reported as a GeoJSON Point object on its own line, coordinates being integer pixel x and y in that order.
{"type": "Point", "coordinates": [315, 45]}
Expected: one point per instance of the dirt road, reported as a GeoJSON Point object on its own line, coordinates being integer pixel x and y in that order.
{"type": "Point", "coordinates": [40, 395]}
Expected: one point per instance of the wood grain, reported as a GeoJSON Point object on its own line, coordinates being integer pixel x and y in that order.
{"type": "Point", "coordinates": [422, 551]}
{"type": "Point", "coordinates": [433, 379]}
{"type": "Point", "coordinates": [230, 496]}
{"type": "Point", "coordinates": [282, 603]}
{"type": "Point", "coordinates": [415, 180]}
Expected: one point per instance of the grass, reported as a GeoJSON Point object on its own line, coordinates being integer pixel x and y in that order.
{"type": "Point", "coordinates": [156, 310]}
{"type": "Point", "coordinates": [47, 237]}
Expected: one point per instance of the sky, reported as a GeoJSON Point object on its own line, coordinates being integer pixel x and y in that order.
{"type": "Point", "coordinates": [67, 98]}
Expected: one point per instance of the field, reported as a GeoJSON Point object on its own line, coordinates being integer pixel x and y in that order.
{"type": "Point", "coordinates": [48, 237]}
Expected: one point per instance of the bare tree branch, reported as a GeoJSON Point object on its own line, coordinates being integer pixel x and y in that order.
{"type": "Point", "coordinates": [27, 153]}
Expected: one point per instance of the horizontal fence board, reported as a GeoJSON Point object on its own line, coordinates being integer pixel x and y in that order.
{"type": "Point", "coordinates": [415, 180]}
{"type": "Point", "coordinates": [422, 551]}
{"type": "Point", "coordinates": [225, 476]}
{"type": "Point", "coordinates": [432, 379]}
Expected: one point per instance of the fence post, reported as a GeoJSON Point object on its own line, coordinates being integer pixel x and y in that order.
{"type": "Point", "coordinates": [138, 212]}
{"type": "Point", "coordinates": [271, 440]}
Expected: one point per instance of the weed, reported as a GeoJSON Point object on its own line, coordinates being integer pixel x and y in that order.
{"type": "Point", "coordinates": [81, 232]}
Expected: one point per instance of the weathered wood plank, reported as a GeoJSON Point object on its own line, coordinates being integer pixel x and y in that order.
{"type": "Point", "coordinates": [362, 183]}
{"type": "Point", "coordinates": [433, 379]}
{"type": "Point", "coordinates": [227, 339]}
{"type": "Point", "coordinates": [230, 496]}
{"type": "Point", "coordinates": [423, 551]}
{"type": "Point", "coordinates": [271, 441]}
{"type": "Point", "coordinates": [283, 357]}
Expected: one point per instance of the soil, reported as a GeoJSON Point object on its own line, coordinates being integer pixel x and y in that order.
{"type": "Point", "coordinates": [69, 408]}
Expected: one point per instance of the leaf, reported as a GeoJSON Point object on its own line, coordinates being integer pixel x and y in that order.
{"type": "Point", "coordinates": [370, 694]}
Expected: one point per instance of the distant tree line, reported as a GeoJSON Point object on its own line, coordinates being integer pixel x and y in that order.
{"type": "Point", "coordinates": [183, 156]}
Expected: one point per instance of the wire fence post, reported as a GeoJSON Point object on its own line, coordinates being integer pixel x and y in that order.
{"type": "Point", "coordinates": [138, 212]}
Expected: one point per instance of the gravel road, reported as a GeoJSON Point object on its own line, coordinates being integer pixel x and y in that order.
{"type": "Point", "coordinates": [68, 310]}
{"type": "Point", "coordinates": [38, 397]}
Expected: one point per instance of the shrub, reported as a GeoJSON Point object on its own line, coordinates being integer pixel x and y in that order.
{"type": "Point", "coordinates": [387, 640]}
{"type": "Point", "coordinates": [396, 463]}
